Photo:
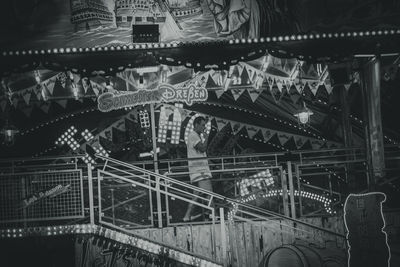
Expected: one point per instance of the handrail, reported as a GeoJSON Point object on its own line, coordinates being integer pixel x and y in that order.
{"type": "Point", "coordinates": [218, 196]}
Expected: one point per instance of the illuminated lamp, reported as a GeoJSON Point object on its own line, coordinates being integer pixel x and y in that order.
{"type": "Point", "coordinates": [304, 115]}
{"type": "Point", "coordinates": [9, 131]}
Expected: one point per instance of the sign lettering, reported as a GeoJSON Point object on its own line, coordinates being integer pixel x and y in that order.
{"type": "Point", "coordinates": [164, 93]}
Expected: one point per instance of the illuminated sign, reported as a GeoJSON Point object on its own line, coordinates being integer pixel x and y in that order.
{"type": "Point", "coordinates": [164, 93]}
{"type": "Point", "coordinates": [51, 193]}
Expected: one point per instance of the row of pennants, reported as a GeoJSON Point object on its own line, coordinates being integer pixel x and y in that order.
{"type": "Point", "coordinates": [242, 77]}
{"type": "Point", "coordinates": [88, 88]}
{"type": "Point", "coordinates": [119, 126]}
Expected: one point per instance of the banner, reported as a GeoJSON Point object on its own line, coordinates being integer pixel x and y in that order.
{"type": "Point", "coordinates": [164, 93]}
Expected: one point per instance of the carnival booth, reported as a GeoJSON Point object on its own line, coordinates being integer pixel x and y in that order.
{"type": "Point", "coordinates": [99, 98]}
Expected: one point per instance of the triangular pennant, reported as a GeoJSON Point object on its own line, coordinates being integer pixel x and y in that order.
{"type": "Point", "coordinates": [347, 86]}
{"type": "Point", "coordinates": [236, 127]}
{"type": "Point", "coordinates": [271, 82]}
{"type": "Point", "coordinates": [251, 131]}
{"type": "Point", "coordinates": [313, 85]}
{"type": "Point", "coordinates": [288, 83]}
{"type": "Point", "coordinates": [254, 94]}
{"type": "Point", "coordinates": [279, 84]}
{"type": "Point", "coordinates": [62, 102]}
{"type": "Point", "coordinates": [38, 92]}
{"type": "Point", "coordinates": [50, 86]}
{"type": "Point", "coordinates": [221, 123]}
{"type": "Point", "coordinates": [45, 107]}
{"type": "Point", "coordinates": [26, 95]}
{"type": "Point", "coordinates": [268, 134]}
{"type": "Point", "coordinates": [311, 71]}
{"type": "Point", "coordinates": [283, 138]}
{"type": "Point", "coordinates": [27, 111]}
{"type": "Point", "coordinates": [219, 93]}
{"type": "Point", "coordinates": [236, 93]}
{"type": "Point", "coordinates": [299, 141]}
{"type": "Point", "coordinates": [210, 82]}
{"type": "Point", "coordinates": [299, 85]}
{"type": "Point", "coordinates": [245, 77]}
{"type": "Point", "coordinates": [328, 88]}
{"type": "Point", "coordinates": [258, 81]}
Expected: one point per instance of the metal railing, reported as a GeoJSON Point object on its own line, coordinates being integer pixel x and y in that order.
{"type": "Point", "coordinates": [178, 189]}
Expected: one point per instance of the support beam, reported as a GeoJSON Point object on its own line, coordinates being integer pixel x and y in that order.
{"type": "Point", "coordinates": [371, 89]}
{"type": "Point", "coordinates": [291, 190]}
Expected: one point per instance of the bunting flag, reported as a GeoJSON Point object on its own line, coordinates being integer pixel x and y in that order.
{"type": "Point", "coordinates": [27, 110]}
{"type": "Point", "coordinates": [236, 93]}
{"type": "Point", "coordinates": [219, 93]}
{"type": "Point", "coordinates": [252, 131]}
{"type": "Point", "coordinates": [254, 94]}
{"type": "Point", "coordinates": [45, 107]}
{"type": "Point", "coordinates": [27, 95]}
{"type": "Point", "coordinates": [221, 123]}
{"type": "Point", "coordinates": [283, 138]}
{"type": "Point", "coordinates": [62, 102]}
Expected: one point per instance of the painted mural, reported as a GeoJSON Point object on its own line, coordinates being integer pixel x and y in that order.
{"type": "Point", "coordinates": [42, 24]}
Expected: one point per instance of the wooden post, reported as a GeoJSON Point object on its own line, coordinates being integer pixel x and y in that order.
{"type": "Point", "coordinates": [285, 194]}
{"type": "Point", "coordinates": [223, 236]}
{"type": "Point", "coordinates": [90, 189]}
{"type": "Point", "coordinates": [371, 89]}
{"type": "Point", "coordinates": [291, 190]}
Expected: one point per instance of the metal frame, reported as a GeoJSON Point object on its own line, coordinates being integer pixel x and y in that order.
{"type": "Point", "coordinates": [53, 218]}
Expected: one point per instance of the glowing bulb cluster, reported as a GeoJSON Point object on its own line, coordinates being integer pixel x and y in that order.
{"type": "Point", "coordinates": [88, 159]}
{"type": "Point", "coordinates": [144, 119]}
{"type": "Point", "coordinates": [278, 192]}
{"type": "Point", "coordinates": [101, 151]}
{"type": "Point", "coordinates": [260, 180]}
{"type": "Point", "coordinates": [165, 124]}
{"type": "Point", "coordinates": [68, 138]}
{"type": "Point", "coordinates": [87, 135]}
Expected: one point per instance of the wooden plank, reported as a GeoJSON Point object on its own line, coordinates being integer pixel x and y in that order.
{"type": "Point", "coordinates": [202, 242]}
{"type": "Point", "coordinates": [234, 253]}
{"type": "Point", "coordinates": [184, 238]}
{"type": "Point", "coordinates": [168, 236]}
{"type": "Point", "coordinates": [255, 239]}
{"type": "Point", "coordinates": [242, 261]}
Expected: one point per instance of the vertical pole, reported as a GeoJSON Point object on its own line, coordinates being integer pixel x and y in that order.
{"type": "Point", "coordinates": [155, 161]}
{"type": "Point", "coordinates": [291, 190]}
{"type": "Point", "coordinates": [90, 189]}
{"type": "Point", "coordinates": [154, 137]}
{"type": "Point", "coordinates": [223, 236]}
{"type": "Point", "coordinates": [371, 88]}
{"type": "Point", "coordinates": [112, 205]}
{"type": "Point", "coordinates": [23, 184]}
{"type": "Point", "coordinates": [346, 124]}
{"type": "Point", "coordinates": [284, 193]}
{"type": "Point", "coordinates": [299, 188]}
